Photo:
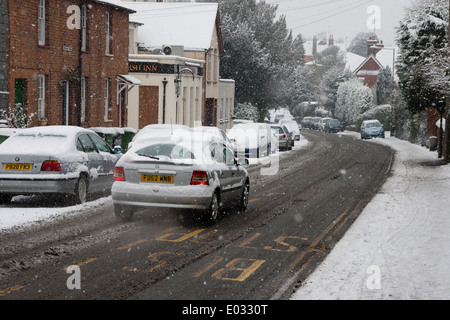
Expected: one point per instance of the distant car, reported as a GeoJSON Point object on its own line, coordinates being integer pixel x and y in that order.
{"type": "Point", "coordinates": [283, 135]}
{"type": "Point", "coordinates": [322, 123]}
{"type": "Point", "coordinates": [306, 122]}
{"type": "Point", "coordinates": [192, 174]}
{"type": "Point", "coordinates": [55, 160]}
{"type": "Point", "coordinates": [314, 123]}
{"type": "Point", "coordinates": [334, 126]}
{"type": "Point", "coordinates": [372, 129]}
{"type": "Point", "coordinates": [251, 140]}
{"type": "Point", "coordinates": [293, 128]}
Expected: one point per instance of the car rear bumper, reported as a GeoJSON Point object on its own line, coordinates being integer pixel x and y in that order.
{"type": "Point", "coordinates": [182, 197]}
{"type": "Point", "coordinates": [41, 186]}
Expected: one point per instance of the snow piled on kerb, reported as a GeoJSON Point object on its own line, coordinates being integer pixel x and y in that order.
{"type": "Point", "coordinates": [403, 234]}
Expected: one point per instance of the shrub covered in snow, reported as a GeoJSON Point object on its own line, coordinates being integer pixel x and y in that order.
{"type": "Point", "coordinates": [353, 99]}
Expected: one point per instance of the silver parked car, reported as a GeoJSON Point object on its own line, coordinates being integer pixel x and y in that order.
{"type": "Point", "coordinates": [55, 160]}
{"type": "Point", "coordinates": [283, 135]}
{"type": "Point", "coordinates": [185, 173]}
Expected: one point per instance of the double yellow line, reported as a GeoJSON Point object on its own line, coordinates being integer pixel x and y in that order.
{"type": "Point", "coordinates": [314, 248]}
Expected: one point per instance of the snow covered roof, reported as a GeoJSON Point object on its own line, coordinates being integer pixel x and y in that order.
{"type": "Point", "coordinates": [174, 23]}
{"type": "Point", "coordinates": [116, 4]}
{"type": "Point", "coordinates": [353, 61]}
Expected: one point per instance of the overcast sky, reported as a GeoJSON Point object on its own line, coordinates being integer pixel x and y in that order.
{"type": "Point", "coordinates": [343, 18]}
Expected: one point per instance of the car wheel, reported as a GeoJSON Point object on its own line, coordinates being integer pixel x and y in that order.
{"type": "Point", "coordinates": [212, 213]}
{"type": "Point", "coordinates": [81, 190]}
{"type": "Point", "coordinates": [123, 213]}
{"type": "Point", "coordinates": [243, 203]}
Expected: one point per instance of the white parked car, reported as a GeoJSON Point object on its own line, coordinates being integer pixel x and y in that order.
{"type": "Point", "coordinates": [55, 160]}
{"type": "Point", "coordinates": [323, 122]}
{"type": "Point", "coordinates": [251, 140]}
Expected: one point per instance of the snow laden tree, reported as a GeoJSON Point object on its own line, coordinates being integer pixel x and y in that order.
{"type": "Point", "coordinates": [329, 85]}
{"type": "Point", "coordinates": [260, 53]}
{"type": "Point", "coordinates": [353, 99]}
{"type": "Point", "coordinates": [359, 43]}
{"type": "Point", "coordinates": [17, 116]}
{"type": "Point", "coordinates": [384, 86]}
{"type": "Point", "coordinates": [246, 111]}
{"type": "Point", "coordinates": [423, 28]}
{"type": "Point", "coordinates": [423, 38]}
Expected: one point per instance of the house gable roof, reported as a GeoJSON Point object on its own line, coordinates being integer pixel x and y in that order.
{"type": "Point", "coordinates": [365, 63]}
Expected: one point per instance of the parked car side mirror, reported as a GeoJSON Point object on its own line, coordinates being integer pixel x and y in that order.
{"type": "Point", "coordinates": [117, 150]}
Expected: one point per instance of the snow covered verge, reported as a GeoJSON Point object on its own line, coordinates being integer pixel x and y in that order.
{"type": "Point", "coordinates": [398, 247]}
{"type": "Point", "coordinates": [19, 216]}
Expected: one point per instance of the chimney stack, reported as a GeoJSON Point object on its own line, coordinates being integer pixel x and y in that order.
{"type": "Point", "coordinates": [374, 46]}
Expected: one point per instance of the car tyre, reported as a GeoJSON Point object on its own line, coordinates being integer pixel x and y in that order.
{"type": "Point", "coordinates": [211, 214]}
{"type": "Point", "coordinates": [243, 202]}
{"type": "Point", "coordinates": [81, 190]}
{"type": "Point", "coordinates": [123, 213]}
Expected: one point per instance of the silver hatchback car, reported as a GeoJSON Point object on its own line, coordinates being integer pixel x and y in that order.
{"type": "Point", "coordinates": [184, 172]}
{"type": "Point", "coordinates": [55, 160]}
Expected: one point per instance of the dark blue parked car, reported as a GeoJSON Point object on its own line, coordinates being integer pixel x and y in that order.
{"type": "Point", "coordinates": [333, 125]}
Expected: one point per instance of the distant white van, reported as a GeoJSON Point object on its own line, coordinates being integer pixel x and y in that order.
{"type": "Point", "coordinates": [251, 140]}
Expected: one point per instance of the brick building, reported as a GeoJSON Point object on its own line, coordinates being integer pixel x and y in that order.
{"type": "Point", "coordinates": [371, 66]}
{"type": "Point", "coordinates": [66, 60]}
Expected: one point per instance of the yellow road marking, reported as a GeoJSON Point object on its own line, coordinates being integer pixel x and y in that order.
{"type": "Point", "coordinates": [208, 267]}
{"type": "Point", "coordinates": [245, 243]}
{"type": "Point", "coordinates": [312, 248]}
{"type": "Point", "coordinates": [236, 265]}
{"type": "Point", "coordinates": [81, 263]}
{"type": "Point", "coordinates": [131, 244]}
{"type": "Point", "coordinates": [10, 289]}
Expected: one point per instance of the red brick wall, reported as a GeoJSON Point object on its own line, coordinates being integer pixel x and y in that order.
{"type": "Point", "coordinates": [148, 105]}
{"type": "Point", "coordinates": [370, 80]}
{"type": "Point", "coordinates": [28, 59]}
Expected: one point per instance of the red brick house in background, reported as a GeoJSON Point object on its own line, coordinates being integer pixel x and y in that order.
{"type": "Point", "coordinates": [370, 67]}
{"type": "Point", "coordinates": [65, 60]}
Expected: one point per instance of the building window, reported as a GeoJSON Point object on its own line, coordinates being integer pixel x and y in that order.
{"type": "Point", "coordinates": [84, 43]}
{"type": "Point", "coordinates": [108, 33]}
{"type": "Point", "coordinates": [107, 98]}
{"type": "Point", "coordinates": [41, 22]}
{"type": "Point", "coordinates": [83, 99]}
{"type": "Point", "coordinates": [41, 97]}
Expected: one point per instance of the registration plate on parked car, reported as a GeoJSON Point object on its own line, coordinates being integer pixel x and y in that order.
{"type": "Point", "coordinates": [17, 167]}
{"type": "Point", "coordinates": [156, 178]}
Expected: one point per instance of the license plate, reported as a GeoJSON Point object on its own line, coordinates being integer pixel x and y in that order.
{"type": "Point", "coordinates": [156, 178]}
{"type": "Point", "coordinates": [18, 167]}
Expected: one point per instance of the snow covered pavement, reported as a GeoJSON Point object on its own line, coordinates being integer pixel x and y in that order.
{"type": "Point", "coordinates": [398, 248]}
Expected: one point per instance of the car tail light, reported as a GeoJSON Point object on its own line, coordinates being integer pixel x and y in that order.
{"type": "Point", "coordinates": [283, 137]}
{"type": "Point", "coordinates": [51, 165]}
{"type": "Point", "coordinates": [199, 178]}
{"type": "Point", "coordinates": [119, 174]}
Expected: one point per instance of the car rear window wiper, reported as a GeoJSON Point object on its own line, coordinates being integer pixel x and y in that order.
{"type": "Point", "coordinates": [148, 156]}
